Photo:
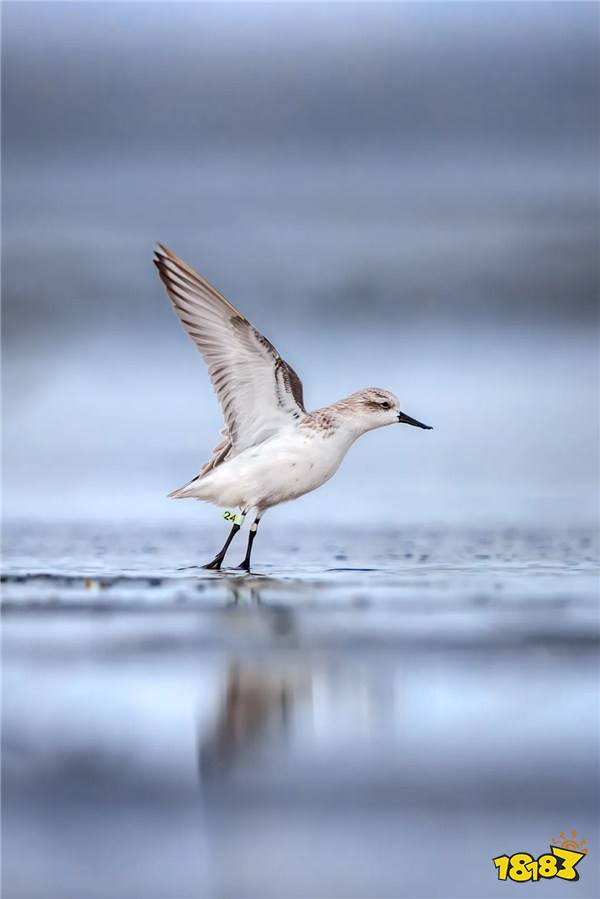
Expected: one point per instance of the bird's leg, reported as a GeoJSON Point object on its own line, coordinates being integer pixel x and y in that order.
{"type": "Point", "coordinates": [245, 565]}
{"type": "Point", "coordinates": [218, 559]}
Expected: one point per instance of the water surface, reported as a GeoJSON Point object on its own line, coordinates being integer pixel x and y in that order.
{"type": "Point", "coordinates": [325, 727]}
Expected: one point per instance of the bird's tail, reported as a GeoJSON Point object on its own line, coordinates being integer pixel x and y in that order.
{"type": "Point", "coordinates": [185, 491]}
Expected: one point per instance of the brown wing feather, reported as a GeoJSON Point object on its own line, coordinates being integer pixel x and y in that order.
{"type": "Point", "coordinates": [258, 391]}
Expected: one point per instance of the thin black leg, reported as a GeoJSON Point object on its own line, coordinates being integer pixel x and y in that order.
{"type": "Point", "coordinates": [245, 565]}
{"type": "Point", "coordinates": [218, 559]}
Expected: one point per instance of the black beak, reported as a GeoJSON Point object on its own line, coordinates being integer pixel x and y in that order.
{"type": "Point", "coordinates": [407, 420]}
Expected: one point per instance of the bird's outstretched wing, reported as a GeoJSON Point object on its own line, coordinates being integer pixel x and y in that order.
{"type": "Point", "coordinates": [258, 391]}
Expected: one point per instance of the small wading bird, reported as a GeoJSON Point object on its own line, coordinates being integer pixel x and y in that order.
{"type": "Point", "coordinates": [273, 450]}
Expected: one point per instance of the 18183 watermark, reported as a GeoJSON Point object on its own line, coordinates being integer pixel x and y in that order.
{"type": "Point", "coordinates": [562, 860]}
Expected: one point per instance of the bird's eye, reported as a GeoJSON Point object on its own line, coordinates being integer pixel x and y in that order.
{"type": "Point", "coordinates": [385, 405]}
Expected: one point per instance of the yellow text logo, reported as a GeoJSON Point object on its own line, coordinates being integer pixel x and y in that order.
{"type": "Point", "coordinates": [561, 861]}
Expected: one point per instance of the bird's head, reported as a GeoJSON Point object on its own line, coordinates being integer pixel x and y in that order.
{"type": "Point", "coordinates": [375, 408]}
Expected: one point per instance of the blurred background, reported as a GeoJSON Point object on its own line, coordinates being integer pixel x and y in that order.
{"type": "Point", "coordinates": [398, 195]}
{"type": "Point", "coordinates": [402, 195]}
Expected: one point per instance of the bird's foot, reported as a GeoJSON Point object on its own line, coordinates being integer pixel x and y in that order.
{"type": "Point", "coordinates": [244, 566]}
{"type": "Point", "coordinates": [215, 565]}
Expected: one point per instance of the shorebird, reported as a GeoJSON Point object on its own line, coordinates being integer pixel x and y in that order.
{"type": "Point", "coordinates": [272, 450]}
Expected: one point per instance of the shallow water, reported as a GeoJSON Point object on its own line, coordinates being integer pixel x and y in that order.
{"type": "Point", "coordinates": [366, 715]}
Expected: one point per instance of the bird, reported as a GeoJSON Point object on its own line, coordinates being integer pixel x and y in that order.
{"type": "Point", "coordinates": [273, 450]}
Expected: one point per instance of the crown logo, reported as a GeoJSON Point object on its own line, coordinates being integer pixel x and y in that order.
{"type": "Point", "coordinates": [571, 842]}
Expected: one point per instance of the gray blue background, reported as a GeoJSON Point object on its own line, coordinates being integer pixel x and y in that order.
{"type": "Point", "coordinates": [398, 195]}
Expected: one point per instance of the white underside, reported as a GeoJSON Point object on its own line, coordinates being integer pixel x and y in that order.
{"type": "Point", "coordinates": [284, 467]}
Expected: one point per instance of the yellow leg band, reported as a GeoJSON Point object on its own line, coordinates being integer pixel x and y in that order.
{"type": "Point", "coordinates": [234, 517]}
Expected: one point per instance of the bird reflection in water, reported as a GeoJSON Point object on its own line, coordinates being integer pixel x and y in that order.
{"type": "Point", "coordinates": [258, 694]}
{"type": "Point", "coordinates": [257, 702]}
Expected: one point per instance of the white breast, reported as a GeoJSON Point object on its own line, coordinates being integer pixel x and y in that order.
{"type": "Point", "coordinates": [285, 467]}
